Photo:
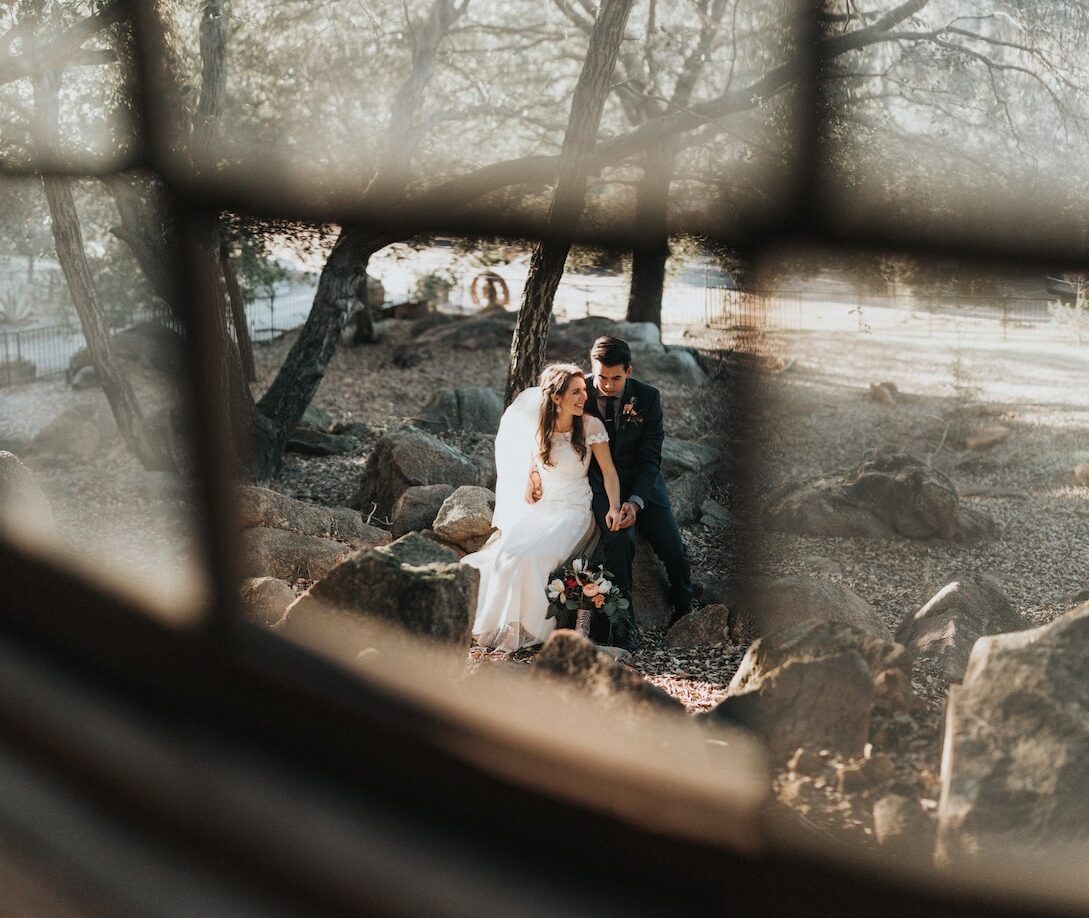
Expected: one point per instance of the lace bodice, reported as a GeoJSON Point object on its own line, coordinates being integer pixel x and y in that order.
{"type": "Point", "coordinates": [565, 479]}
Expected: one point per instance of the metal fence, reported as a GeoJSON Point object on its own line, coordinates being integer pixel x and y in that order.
{"type": "Point", "coordinates": [750, 318]}
{"type": "Point", "coordinates": [45, 352]}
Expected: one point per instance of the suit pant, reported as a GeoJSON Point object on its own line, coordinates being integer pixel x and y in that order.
{"type": "Point", "coordinates": [658, 525]}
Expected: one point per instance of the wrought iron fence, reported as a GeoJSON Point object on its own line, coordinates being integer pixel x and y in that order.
{"type": "Point", "coordinates": [46, 352]}
{"type": "Point", "coordinates": [750, 318]}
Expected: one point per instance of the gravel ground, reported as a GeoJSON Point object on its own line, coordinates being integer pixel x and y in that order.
{"type": "Point", "coordinates": [812, 417]}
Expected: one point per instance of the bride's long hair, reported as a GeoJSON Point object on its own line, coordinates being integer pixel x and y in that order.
{"type": "Point", "coordinates": [556, 380]}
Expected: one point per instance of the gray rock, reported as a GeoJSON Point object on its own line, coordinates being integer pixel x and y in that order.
{"type": "Point", "coordinates": [417, 508]}
{"type": "Point", "coordinates": [569, 656]}
{"type": "Point", "coordinates": [717, 589]}
{"type": "Point", "coordinates": [713, 514]}
{"type": "Point", "coordinates": [675, 369]}
{"type": "Point", "coordinates": [145, 345]}
{"type": "Point", "coordinates": [768, 606]}
{"type": "Point", "coordinates": [642, 337]}
{"type": "Point", "coordinates": [1015, 769]}
{"type": "Point", "coordinates": [403, 459]}
{"type": "Point", "coordinates": [680, 456]}
{"type": "Point", "coordinates": [946, 628]}
{"type": "Point", "coordinates": [85, 378]}
{"type": "Point", "coordinates": [705, 627]}
{"type": "Point", "coordinates": [265, 599]}
{"type": "Point", "coordinates": [889, 493]}
{"type": "Point", "coordinates": [310, 442]}
{"type": "Point", "coordinates": [650, 587]}
{"type": "Point", "coordinates": [78, 431]}
{"type": "Point", "coordinates": [492, 331]}
{"type": "Point", "coordinates": [686, 495]}
{"type": "Point", "coordinates": [474, 409]}
{"type": "Point", "coordinates": [316, 419]}
{"type": "Point", "coordinates": [24, 508]}
{"type": "Point", "coordinates": [413, 583]}
{"type": "Point", "coordinates": [273, 510]}
{"type": "Point", "coordinates": [289, 555]}
{"type": "Point", "coordinates": [902, 828]}
{"type": "Point", "coordinates": [809, 686]}
{"type": "Point", "coordinates": [465, 517]}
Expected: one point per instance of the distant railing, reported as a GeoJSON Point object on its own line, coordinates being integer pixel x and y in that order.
{"type": "Point", "coordinates": [748, 317]}
{"type": "Point", "coordinates": [45, 352]}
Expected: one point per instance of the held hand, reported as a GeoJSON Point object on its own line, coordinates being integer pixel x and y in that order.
{"type": "Point", "coordinates": [533, 488]}
{"type": "Point", "coordinates": [628, 512]}
{"type": "Point", "coordinates": [612, 520]}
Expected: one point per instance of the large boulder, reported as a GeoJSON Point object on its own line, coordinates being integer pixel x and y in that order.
{"type": "Point", "coordinates": [687, 494]}
{"type": "Point", "coordinates": [680, 456]}
{"type": "Point", "coordinates": [476, 409]}
{"type": "Point", "coordinates": [677, 368]}
{"type": "Point", "coordinates": [465, 517]}
{"type": "Point", "coordinates": [273, 510]}
{"type": "Point", "coordinates": [768, 606]}
{"type": "Point", "coordinates": [265, 599]}
{"type": "Point", "coordinates": [706, 627]}
{"type": "Point", "coordinates": [417, 508]}
{"type": "Point", "coordinates": [24, 508]}
{"type": "Point", "coordinates": [316, 419]}
{"type": "Point", "coordinates": [811, 686]}
{"type": "Point", "coordinates": [1015, 771]}
{"type": "Point", "coordinates": [80, 431]}
{"type": "Point", "coordinates": [902, 828]}
{"type": "Point", "coordinates": [144, 345]}
{"type": "Point", "coordinates": [946, 628]}
{"type": "Point", "coordinates": [889, 493]}
{"type": "Point", "coordinates": [575, 336]}
{"type": "Point", "coordinates": [289, 555]}
{"type": "Point", "coordinates": [649, 587]}
{"type": "Point", "coordinates": [413, 583]}
{"type": "Point", "coordinates": [405, 458]}
{"type": "Point", "coordinates": [569, 656]}
{"type": "Point", "coordinates": [491, 331]}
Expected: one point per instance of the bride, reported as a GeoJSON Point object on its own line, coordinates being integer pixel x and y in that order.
{"type": "Point", "coordinates": [542, 506]}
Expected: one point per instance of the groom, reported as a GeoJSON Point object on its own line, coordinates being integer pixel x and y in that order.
{"type": "Point", "coordinates": [632, 413]}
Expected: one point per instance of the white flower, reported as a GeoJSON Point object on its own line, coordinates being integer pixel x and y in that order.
{"type": "Point", "coordinates": [555, 588]}
{"type": "Point", "coordinates": [605, 585]}
{"type": "Point", "coordinates": [576, 565]}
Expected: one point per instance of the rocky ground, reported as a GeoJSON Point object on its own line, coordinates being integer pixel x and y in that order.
{"type": "Point", "coordinates": [813, 415]}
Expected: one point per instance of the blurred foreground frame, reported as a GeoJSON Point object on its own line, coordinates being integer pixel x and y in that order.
{"type": "Point", "coordinates": [215, 769]}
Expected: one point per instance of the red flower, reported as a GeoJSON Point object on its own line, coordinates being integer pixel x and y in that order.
{"type": "Point", "coordinates": [572, 583]}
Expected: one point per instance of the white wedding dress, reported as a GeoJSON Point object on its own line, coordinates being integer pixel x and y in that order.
{"type": "Point", "coordinates": [533, 539]}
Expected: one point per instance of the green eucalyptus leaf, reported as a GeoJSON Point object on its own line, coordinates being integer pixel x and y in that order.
{"type": "Point", "coordinates": [623, 603]}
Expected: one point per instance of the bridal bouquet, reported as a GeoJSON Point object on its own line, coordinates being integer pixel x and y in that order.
{"type": "Point", "coordinates": [582, 587]}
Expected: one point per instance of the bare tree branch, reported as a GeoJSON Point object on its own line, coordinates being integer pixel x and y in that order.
{"type": "Point", "coordinates": [53, 54]}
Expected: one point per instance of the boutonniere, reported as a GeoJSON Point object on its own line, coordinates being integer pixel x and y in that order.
{"type": "Point", "coordinates": [629, 414]}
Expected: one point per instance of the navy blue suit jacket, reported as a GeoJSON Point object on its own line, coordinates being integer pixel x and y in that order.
{"type": "Point", "coordinates": [635, 444]}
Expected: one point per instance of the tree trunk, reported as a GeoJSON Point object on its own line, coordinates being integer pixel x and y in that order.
{"type": "Point", "coordinates": [302, 371]}
{"type": "Point", "coordinates": [648, 265]}
{"type": "Point", "coordinates": [143, 231]}
{"type": "Point", "coordinates": [569, 199]}
{"type": "Point", "coordinates": [73, 261]}
{"type": "Point", "coordinates": [238, 314]}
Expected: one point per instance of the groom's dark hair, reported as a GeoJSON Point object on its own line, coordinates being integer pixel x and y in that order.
{"type": "Point", "coordinates": [612, 352]}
